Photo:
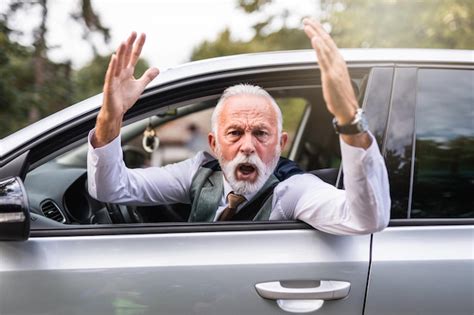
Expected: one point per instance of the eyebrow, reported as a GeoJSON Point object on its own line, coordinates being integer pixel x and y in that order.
{"type": "Point", "coordinates": [257, 126]}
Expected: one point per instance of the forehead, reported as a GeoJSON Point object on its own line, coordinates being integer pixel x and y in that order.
{"type": "Point", "coordinates": [248, 109]}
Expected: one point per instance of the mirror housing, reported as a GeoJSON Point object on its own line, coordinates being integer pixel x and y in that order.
{"type": "Point", "coordinates": [14, 210]}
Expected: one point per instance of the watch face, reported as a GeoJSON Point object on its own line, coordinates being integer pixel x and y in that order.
{"type": "Point", "coordinates": [364, 123]}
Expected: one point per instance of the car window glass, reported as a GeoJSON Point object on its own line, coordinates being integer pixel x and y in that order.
{"type": "Point", "coordinates": [444, 164]}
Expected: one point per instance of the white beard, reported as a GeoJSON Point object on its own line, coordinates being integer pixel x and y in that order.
{"type": "Point", "coordinates": [264, 171]}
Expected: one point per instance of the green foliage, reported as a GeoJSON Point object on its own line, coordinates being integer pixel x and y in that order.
{"type": "Point", "coordinates": [292, 110]}
{"type": "Point", "coordinates": [22, 100]}
{"type": "Point", "coordinates": [264, 39]}
{"type": "Point", "coordinates": [251, 6]}
{"type": "Point", "coordinates": [359, 23]}
{"type": "Point", "coordinates": [31, 85]}
{"type": "Point", "coordinates": [400, 23]}
{"type": "Point", "coordinates": [284, 39]}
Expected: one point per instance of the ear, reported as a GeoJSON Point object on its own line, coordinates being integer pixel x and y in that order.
{"type": "Point", "coordinates": [283, 140]}
{"type": "Point", "coordinates": [211, 139]}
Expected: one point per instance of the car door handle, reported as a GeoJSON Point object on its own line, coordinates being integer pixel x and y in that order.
{"type": "Point", "coordinates": [303, 290]}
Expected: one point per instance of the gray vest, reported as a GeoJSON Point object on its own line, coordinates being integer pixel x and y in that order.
{"type": "Point", "coordinates": [207, 188]}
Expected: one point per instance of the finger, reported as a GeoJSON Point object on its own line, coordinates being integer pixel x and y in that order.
{"type": "Point", "coordinates": [137, 50]}
{"type": "Point", "coordinates": [319, 29]}
{"type": "Point", "coordinates": [320, 38]}
{"type": "Point", "coordinates": [148, 76]}
{"type": "Point", "coordinates": [322, 52]}
{"type": "Point", "coordinates": [129, 47]}
{"type": "Point", "coordinates": [318, 45]}
{"type": "Point", "coordinates": [310, 32]}
{"type": "Point", "coordinates": [119, 59]}
{"type": "Point", "coordinates": [110, 72]}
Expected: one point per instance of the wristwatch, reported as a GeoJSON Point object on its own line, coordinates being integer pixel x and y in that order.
{"type": "Point", "coordinates": [357, 125]}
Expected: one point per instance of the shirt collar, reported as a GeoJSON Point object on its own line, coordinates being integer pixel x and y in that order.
{"type": "Point", "coordinates": [228, 189]}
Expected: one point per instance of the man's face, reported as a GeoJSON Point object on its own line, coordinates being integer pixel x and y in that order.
{"type": "Point", "coordinates": [247, 139]}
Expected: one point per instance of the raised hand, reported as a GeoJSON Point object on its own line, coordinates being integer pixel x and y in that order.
{"type": "Point", "coordinates": [121, 89]}
{"type": "Point", "coordinates": [337, 88]}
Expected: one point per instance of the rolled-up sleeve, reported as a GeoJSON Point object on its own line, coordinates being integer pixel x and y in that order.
{"type": "Point", "coordinates": [109, 180]}
{"type": "Point", "coordinates": [362, 207]}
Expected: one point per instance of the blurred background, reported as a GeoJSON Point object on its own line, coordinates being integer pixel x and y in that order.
{"type": "Point", "coordinates": [54, 53]}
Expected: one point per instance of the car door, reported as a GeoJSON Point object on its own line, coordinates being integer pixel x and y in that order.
{"type": "Point", "coordinates": [190, 268]}
{"type": "Point", "coordinates": [424, 262]}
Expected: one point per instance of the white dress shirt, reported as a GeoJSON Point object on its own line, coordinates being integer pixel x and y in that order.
{"type": "Point", "coordinates": [363, 207]}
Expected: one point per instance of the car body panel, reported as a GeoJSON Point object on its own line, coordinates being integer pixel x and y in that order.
{"type": "Point", "coordinates": [175, 273]}
{"type": "Point", "coordinates": [422, 270]}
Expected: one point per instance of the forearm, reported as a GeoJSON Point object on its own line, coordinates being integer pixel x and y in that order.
{"type": "Point", "coordinates": [366, 187]}
{"type": "Point", "coordinates": [107, 128]}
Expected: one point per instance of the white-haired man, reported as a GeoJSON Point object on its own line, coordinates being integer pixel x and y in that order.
{"type": "Point", "coordinates": [247, 181]}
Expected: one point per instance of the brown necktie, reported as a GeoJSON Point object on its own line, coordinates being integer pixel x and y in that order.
{"type": "Point", "coordinates": [233, 202]}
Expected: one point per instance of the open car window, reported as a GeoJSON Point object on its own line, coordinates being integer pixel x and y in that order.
{"type": "Point", "coordinates": [57, 189]}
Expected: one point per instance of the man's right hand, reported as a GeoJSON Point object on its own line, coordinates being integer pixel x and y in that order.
{"type": "Point", "coordinates": [121, 89]}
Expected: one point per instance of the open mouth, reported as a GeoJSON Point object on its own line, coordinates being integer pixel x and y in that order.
{"type": "Point", "coordinates": [246, 169]}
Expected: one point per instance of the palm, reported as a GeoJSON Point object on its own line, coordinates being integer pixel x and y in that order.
{"type": "Point", "coordinates": [337, 89]}
{"type": "Point", "coordinates": [124, 91]}
{"type": "Point", "coordinates": [121, 89]}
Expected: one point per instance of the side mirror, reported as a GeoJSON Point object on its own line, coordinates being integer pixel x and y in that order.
{"type": "Point", "coordinates": [14, 210]}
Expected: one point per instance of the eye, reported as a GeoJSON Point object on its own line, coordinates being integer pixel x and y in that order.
{"type": "Point", "coordinates": [234, 133]}
{"type": "Point", "coordinates": [261, 134]}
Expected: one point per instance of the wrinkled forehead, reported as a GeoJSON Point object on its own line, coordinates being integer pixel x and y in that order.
{"type": "Point", "coordinates": [249, 108]}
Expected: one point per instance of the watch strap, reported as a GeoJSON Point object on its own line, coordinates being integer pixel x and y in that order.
{"type": "Point", "coordinates": [357, 125]}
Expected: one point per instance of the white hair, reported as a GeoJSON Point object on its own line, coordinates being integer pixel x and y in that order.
{"type": "Point", "coordinates": [244, 89]}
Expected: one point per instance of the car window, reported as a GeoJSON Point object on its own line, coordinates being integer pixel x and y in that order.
{"type": "Point", "coordinates": [444, 150]}
{"type": "Point", "coordinates": [57, 189]}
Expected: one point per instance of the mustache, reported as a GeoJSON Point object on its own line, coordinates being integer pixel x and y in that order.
{"type": "Point", "coordinates": [253, 160]}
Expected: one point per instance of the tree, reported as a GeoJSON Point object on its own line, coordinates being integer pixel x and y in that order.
{"type": "Point", "coordinates": [400, 23]}
{"type": "Point", "coordinates": [358, 23]}
{"type": "Point", "coordinates": [31, 85]}
{"type": "Point", "coordinates": [265, 38]}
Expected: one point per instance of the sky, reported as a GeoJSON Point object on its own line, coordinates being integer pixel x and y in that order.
{"type": "Point", "coordinates": [173, 27]}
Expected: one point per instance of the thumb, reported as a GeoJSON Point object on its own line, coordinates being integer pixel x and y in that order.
{"type": "Point", "coordinates": [148, 76]}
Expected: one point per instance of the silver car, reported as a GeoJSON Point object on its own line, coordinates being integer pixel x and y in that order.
{"type": "Point", "coordinates": [62, 252]}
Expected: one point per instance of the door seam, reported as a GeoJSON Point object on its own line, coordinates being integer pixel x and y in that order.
{"type": "Point", "coordinates": [368, 274]}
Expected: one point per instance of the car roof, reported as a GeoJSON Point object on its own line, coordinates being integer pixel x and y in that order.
{"type": "Point", "coordinates": [243, 61]}
{"type": "Point", "coordinates": [295, 57]}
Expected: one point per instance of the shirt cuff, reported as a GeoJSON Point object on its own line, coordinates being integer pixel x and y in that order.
{"type": "Point", "coordinates": [111, 152]}
{"type": "Point", "coordinates": [357, 161]}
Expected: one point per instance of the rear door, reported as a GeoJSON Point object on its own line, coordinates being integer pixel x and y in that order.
{"type": "Point", "coordinates": [424, 262]}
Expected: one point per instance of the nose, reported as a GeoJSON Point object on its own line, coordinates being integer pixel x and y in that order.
{"type": "Point", "coordinates": [247, 146]}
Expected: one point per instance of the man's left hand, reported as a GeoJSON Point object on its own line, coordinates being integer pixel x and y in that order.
{"type": "Point", "coordinates": [337, 88]}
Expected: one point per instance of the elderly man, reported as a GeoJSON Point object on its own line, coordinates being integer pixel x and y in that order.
{"type": "Point", "coordinates": [246, 180]}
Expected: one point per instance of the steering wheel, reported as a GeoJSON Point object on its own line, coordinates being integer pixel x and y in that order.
{"type": "Point", "coordinates": [123, 214]}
